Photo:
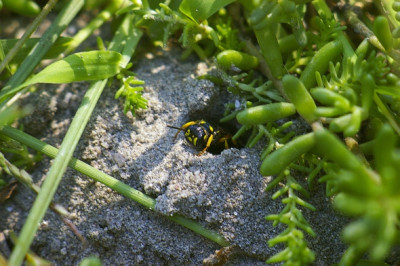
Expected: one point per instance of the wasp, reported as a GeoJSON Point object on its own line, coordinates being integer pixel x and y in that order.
{"type": "Point", "coordinates": [202, 136]}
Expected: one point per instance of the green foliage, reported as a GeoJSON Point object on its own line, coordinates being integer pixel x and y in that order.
{"type": "Point", "coordinates": [328, 29]}
{"type": "Point", "coordinates": [282, 157]}
{"type": "Point", "coordinates": [200, 10]}
{"type": "Point", "coordinates": [348, 97]}
{"type": "Point", "coordinates": [165, 20]}
{"type": "Point", "coordinates": [262, 114]}
{"type": "Point", "coordinates": [336, 86]}
{"type": "Point", "coordinates": [92, 65]}
{"type": "Point", "coordinates": [54, 51]}
{"type": "Point", "coordinates": [370, 195]}
{"type": "Point", "coordinates": [320, 62]}
{"type": "Point", "coordinates": [300, 97]}
{"type": "Point", "coordinates": [132, 93]}
{"type": "Point", "coordinates": [253, 89]}
{"type": "Point", "coordinates": [268, 41]}
{"type": "Point", "coordinates": [284, 57]}
{"type": "Point", "coordinates": [229, 58]}
{"type": "Point", "coordinates": [18, 154]}
{"type": "Point", "coordinates": [228, 35]}
{"type": "Point", "coordinates": [12, 113]}
{"type": "Point", "coordinates": [382, 31]}
{"type": "Point", "coordinates": [23, 7]}
{"type": "Point", "coordinates": [296, 252]}
{"type": "Point", "coordinates": [201, 31]}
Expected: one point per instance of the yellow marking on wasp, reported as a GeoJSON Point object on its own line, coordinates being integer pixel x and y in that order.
{"type": "Point", "coordinates": [210, 139]}
{"type": "Point", "coordinates": [188, 124]}
{"type": "Point", "coordinates": [188, 133]}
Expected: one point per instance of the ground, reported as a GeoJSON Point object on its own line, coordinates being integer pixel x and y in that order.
{"type": "Point", "coordinates": [223, 192]}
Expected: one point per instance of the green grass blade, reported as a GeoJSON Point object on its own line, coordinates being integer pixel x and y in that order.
{"type": "Point", "coordinates": [57, 169]}
{"type": "Point", "coordinates": [18, 46]}
{"type": "Point", "coordinates": [48, 39]}
{"type": "Point", "coordinates": [56, 172]}
{"type": "Point", "coordinates": [8, 45]}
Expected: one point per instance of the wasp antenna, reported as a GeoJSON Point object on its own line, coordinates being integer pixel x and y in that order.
{"type": "Point", "coordinates": [179, 128]}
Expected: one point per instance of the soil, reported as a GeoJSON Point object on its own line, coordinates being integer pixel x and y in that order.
{"type": "Point", "coordinates": [223, 192]}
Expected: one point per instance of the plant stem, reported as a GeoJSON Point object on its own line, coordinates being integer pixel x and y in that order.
{"type": "Point", "coordinates": [56, 172]}
{"type": "Point", "coordinates": [362, 29]}
{"type": "Point", "coordinates": [23, 177]}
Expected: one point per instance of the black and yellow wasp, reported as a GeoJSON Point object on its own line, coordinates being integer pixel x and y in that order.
{"type": "Point", "coordinates": [204, 137]}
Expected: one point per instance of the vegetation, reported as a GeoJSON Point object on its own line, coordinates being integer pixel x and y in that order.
{"type": "Point", "coordinates": [336, 67]}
